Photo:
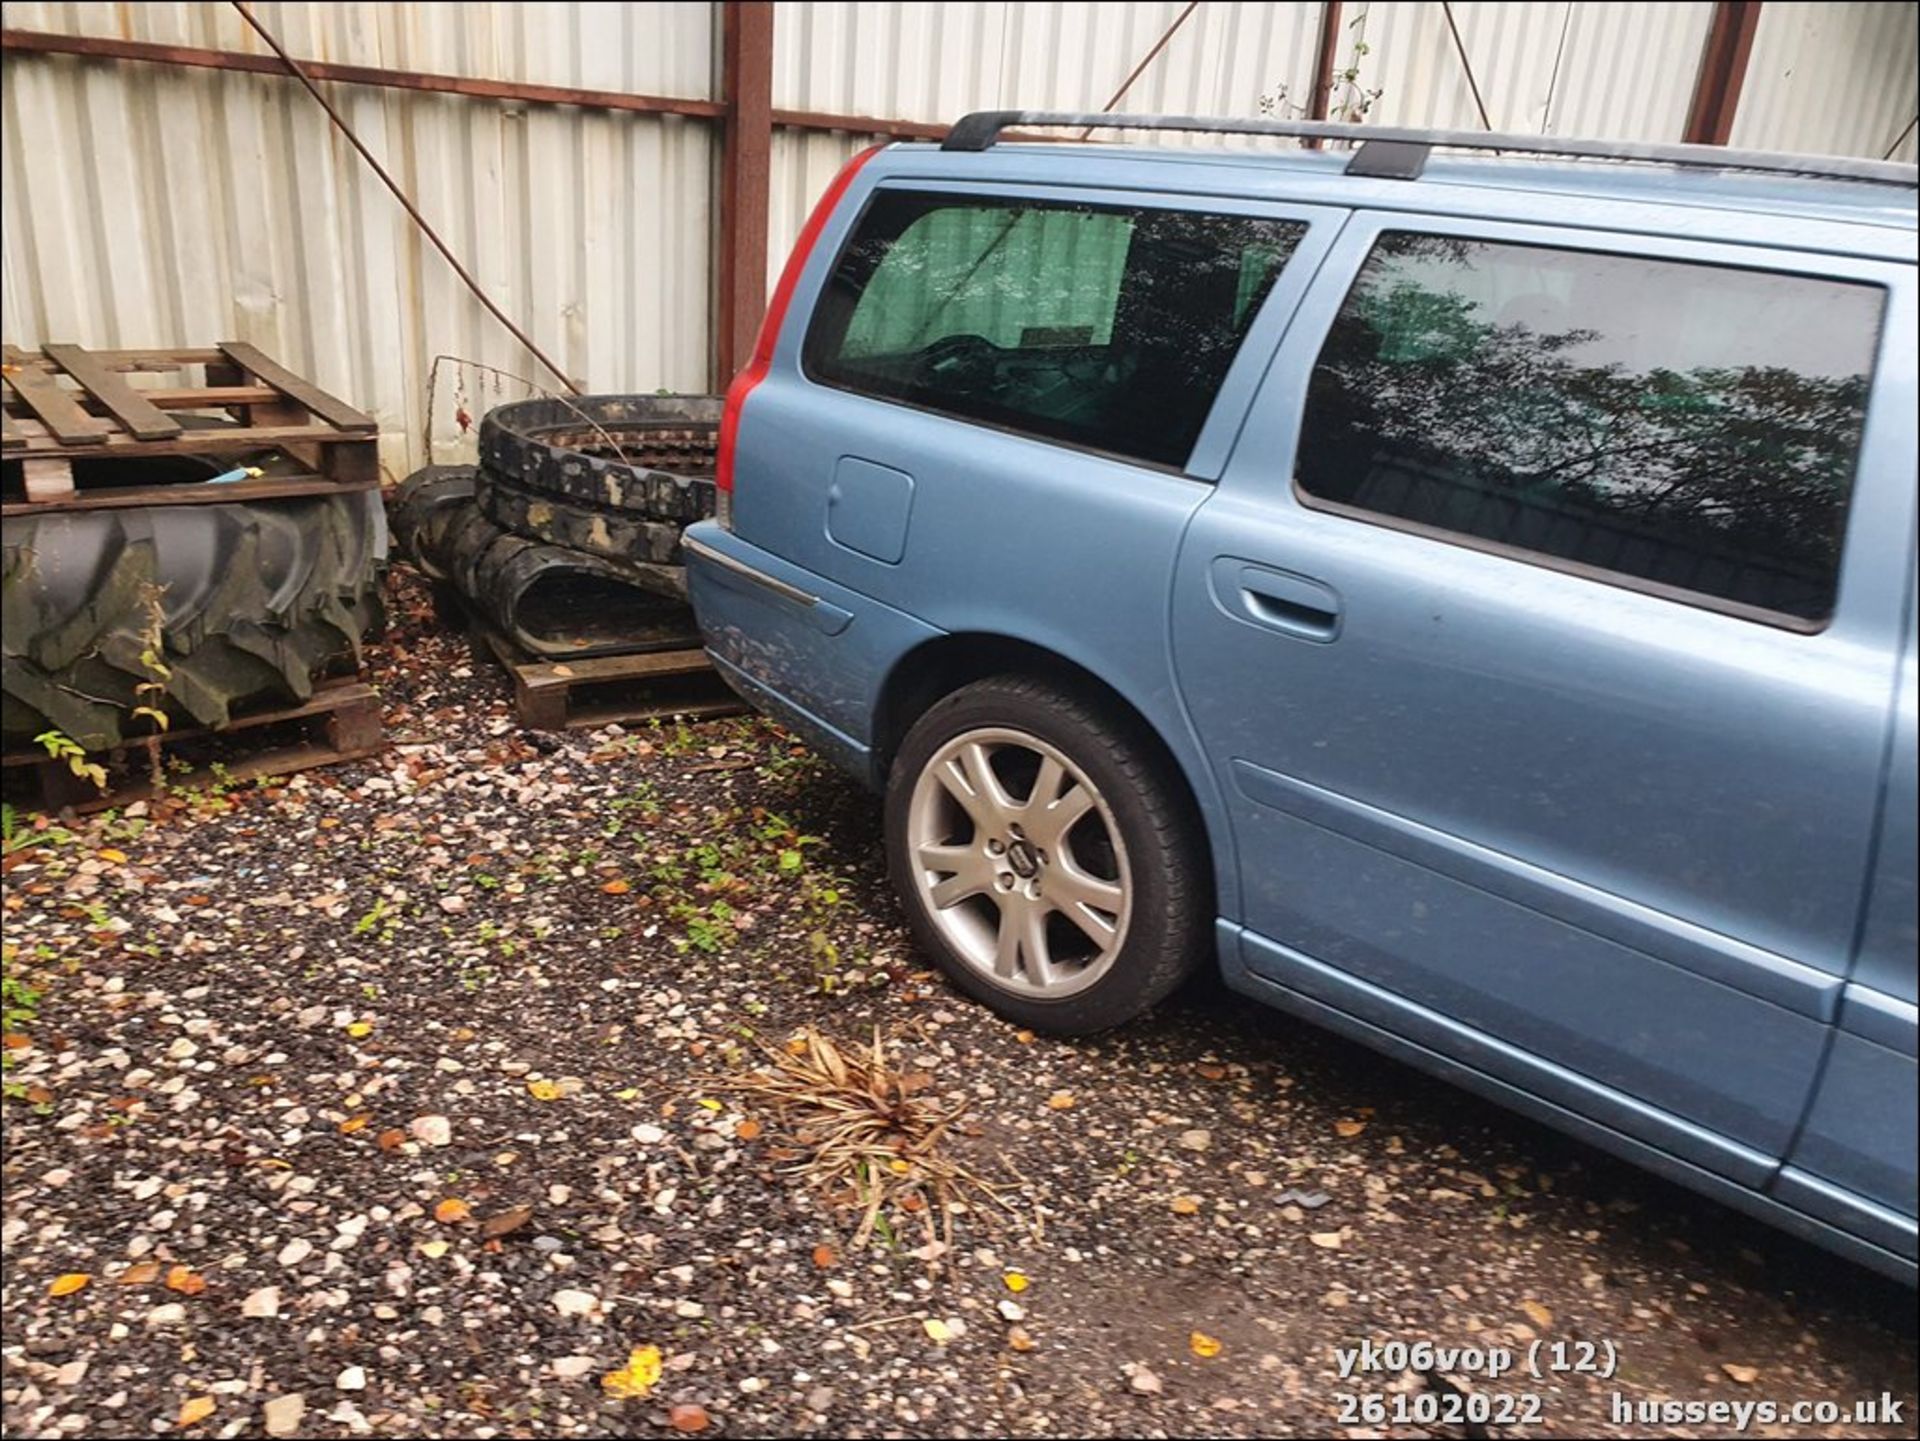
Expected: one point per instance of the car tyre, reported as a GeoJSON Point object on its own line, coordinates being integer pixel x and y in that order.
{"type": "Point", "coordinates": [1046, 855]}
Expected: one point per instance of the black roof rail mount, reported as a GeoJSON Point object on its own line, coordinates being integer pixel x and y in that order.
{"type": "Point", "coordinates": [1401, 154]}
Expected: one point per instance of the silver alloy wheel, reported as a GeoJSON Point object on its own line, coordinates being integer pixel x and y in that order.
{"type": "Point", "coordinates": [1020, 862]}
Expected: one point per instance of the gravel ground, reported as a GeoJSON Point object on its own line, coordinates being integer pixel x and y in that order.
{"type": "Point", "coordinates": [392, 1100]}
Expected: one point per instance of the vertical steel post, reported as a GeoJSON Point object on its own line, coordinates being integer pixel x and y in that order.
{"type": "Point", "coordinates": [746, 167]}
{"type": "Point", "coordinates": [1723, 70]}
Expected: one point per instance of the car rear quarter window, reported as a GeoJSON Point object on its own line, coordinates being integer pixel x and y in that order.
{"type": "Point", "coordinates": [1679, 426]}
{"type": "Point", "coordinates": [1100, 326]}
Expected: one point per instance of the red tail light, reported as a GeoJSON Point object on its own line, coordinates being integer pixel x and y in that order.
{"type": "Point", "coordinates": [762, 361]}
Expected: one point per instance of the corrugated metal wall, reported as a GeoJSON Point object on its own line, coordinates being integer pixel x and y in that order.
{"type": "Point", "coordinates": [1839, 79]}
{"type": "Point", "coordinates": [150, 205]}
{"type": "Point", "coordinates": [145, 205]}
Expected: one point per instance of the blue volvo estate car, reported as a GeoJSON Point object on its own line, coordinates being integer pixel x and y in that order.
{"type": "Point", "coordinates": [1471, 596]}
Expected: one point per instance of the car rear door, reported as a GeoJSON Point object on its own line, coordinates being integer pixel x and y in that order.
{"type": "Point", "coordinates": [1552, 725]}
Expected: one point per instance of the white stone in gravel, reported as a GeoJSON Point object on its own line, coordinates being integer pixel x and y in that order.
{"type": "Point", "coordinates": [649, 1135]}
{"type": "Point", "coordinates": [283, 1414]}
{"type": "Point", "coordinates": [574, 1303]}
{"type": "Point", "coordinates": [354, 1378]}
{"type": "Point", "coordinates": [842, 1289]}
{"type": "Point", "coordinates": [295, 1251]}
{"type": "Point", "coordinates": [1195, 1140]}
{"type": "Point", "coordinates": [71, 1374]}
{"type": "Point", "coordinates": [350, 1416]}
{"type": "Point", "coordinates": [182, 1050]}
{"type": "Point", "coordinates": [57, 1177]}
{"type": "Point", "coordinates": [689, 1309]}
{"type": "Point", "coordinates": [820, 1398]}
{"type": "Point", "coordinates": [147, 1189]}
{"type": "Point", "coordinates": [559, 1195]}
{"type": "Point", "coordinates": [1144, 1381]}
{"type": "Point", "coordinates": [1013, 1311]}
{"type": "Point", "coordinates": [263, 1304]}
{"type": "Point", "coordinates": [752, 1385]}
{"type": "Point", "coordinates": [432, 1130]}
{"type": "Point", "coordinates": [568, 1368]}
{"type": "Point", "coordinates": [312, 1016]}
{"type": "Point", "coordinates": [172, 1313]}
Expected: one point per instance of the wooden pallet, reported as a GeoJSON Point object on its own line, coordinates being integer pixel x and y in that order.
{"type": "Point", "coordinates": [340, 723]}
{"type": "Point", "coordinates": [602, 690]}
{"type": "Point", "coordinates": [63, 404]}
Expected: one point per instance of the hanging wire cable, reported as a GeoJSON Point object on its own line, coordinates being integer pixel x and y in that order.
{"type": "Point", "coordinates": [393, 185]}
{"type": "Point", "coordinates": [1901, 138]}
{"type": "Point", "coordinates": [1446, 8]}
{"type": "Point", "coordinates": [1145, 61]}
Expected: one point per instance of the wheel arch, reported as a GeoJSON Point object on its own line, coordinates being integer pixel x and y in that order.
{"type": "Point", "coordinates": [942, 665]}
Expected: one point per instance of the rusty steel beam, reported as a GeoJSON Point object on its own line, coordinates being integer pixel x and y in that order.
{"type": "Point", "coordinates": [746, 181]}
{"type": "Point", "coordinates": [1723, 70]}
{"type": "Point", "coordinates": [98, 47]}
{"type": "Point", "coordinates": [1325, 60]}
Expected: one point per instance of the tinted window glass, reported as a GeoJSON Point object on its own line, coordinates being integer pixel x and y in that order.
{"type": "Point", "coordinates": [1110, 328]}
{"type": "Point", "coordinates": [1684, 424]}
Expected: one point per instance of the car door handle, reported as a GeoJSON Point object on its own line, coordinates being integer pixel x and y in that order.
{"type": "Point", "coordinates": [1296, 605]}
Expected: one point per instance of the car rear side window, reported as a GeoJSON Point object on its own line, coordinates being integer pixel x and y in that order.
{"type": "Point", "coordinates": [1105, 327]}
{"type": "Point", "coordinates": [1683, 426]}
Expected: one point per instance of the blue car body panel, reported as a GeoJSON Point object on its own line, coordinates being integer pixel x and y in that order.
{"type": "Point", "coordinates": [1642, 868]}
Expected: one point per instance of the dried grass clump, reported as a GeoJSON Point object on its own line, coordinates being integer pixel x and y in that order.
{"type": "Point", "coordinates": [863, 1135]}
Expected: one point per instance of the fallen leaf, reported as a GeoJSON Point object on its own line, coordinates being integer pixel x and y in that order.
{"type": "Point", "coordinates": [635, 1379]}
{"type": "Point", "coordinates": [1204, 1346]}
{"type": "Point", "coordinates": [1060, 1101]}
{"type": "Point", "coordinates": [1349, 1128]}
{"type": "Point", "coordinates": [194, 1410]}
{"type": "Point", "coordinates": [68, 1283]}
{"type": "Point", "coordinates": [687, 1417]}
{"type": "Point", "coordinates": [1212, 1071]}
{"type": "Point", "coordinates": [359, 1029]}
{"type": "Point", "coordinates": [709, 1104]}
{"type": "Point", "coordinates": [1185, 1205]}
{"type": "Point", "coordinates": [506, 1222]}
{"type": "Point", "coordinates": [143, 1273]}
{"type": "Point", "coordinates": [392, 1139]}
{"type": "Point", "coordinates": [937, 1329]}
{"type": "Point", "coordinates": [1327, 1240]}
{"type": "Point", "coordinates": [1019, 1340]}
{"type": "Point", "coordinates": [1538, 1314]}
{"type": "Point", "coordinates": [434, 1250]}
{"type": "Point", "coordinates": [118, 857]}
{"type": "Point", "coordinates": [748, 1130]}
{"type": "Point", "coordinates": [1016, 1281]}
{"type": "Point", "coordinates": [1025, 1038]}
{"type": "Point", "coordinates": [1744, 1375]}
{"type": "Point", "coordinates": [185, 1280]}
{"type": "Point", "coordinates": [355, 1123]}
{"type": "Point", "coordinates": [544, 1090]}
{"type": "Point", "coordinates": [452, 1210]}
{"type": "Point", "coordinates": [824, 1257]}
{"type": "Point", "coordinates": [617, 887]}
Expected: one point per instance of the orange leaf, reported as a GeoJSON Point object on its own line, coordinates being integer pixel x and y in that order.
{"type": "Point", "coordinates": [1060, 1101]}
{"type": "Point", "coordinates": [67, 1284]}
{"type": "Point", "coordinates": [687, 1417]}
{"type": "Point", "coordinates": [617, 888]}
{"type": "Point", "coordinates": [1349, 1128]}
{"type": "Point", "coordinates": [185, 1280]}
{"type": "Point", "coordinates": [747, 1130]}
{"type": "Point", "coordinates": [14, 1041]}
{"type": "Point", "coordinates": [1202, 1345]}
{"type": "Point", "coordinates": [1185, 1205]}
{"type": "Point", "coordinates": [451, 1210]}
{"type": "Point", "coordinates": [117, 857]}
{"type": "Point", "coordinates": [824, 1257]}
{"type": "Point", "coordinates": [194, 1410]}
{"type": "Point", "coordinates": [355, 1123]}
{"type": "Point", "coordinates": [143, 1273]}
{"type": "Point", "coordinates": [1211, 1071]}
{"type": "Point", "coordinates": [392, 1140]}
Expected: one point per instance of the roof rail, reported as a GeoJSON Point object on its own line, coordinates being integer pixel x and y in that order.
{"type": "Point", "coordinates": [1401, 154]}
